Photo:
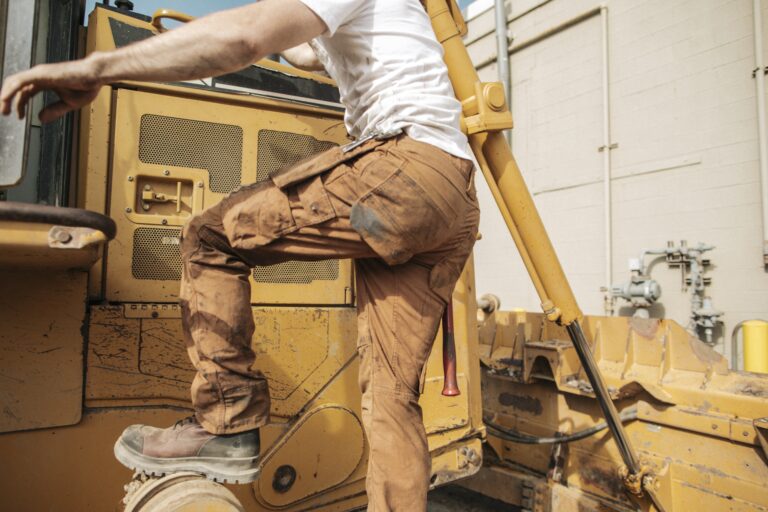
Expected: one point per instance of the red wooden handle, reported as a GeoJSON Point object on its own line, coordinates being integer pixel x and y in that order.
{"type": "Point", "coordinates": [450, 386]}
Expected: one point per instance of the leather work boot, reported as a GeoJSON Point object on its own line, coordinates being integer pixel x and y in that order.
{"type": "Point", "coordinates": [187, 446]}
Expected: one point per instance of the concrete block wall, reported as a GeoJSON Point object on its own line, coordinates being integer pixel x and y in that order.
{"type": "Point", "coordinates": [684, 119]}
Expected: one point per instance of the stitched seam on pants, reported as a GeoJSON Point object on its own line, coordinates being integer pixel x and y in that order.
{"type": "Point", "coordinates": [194, 323]}
{"type": "Point", "coordinates": [409, 161]}
{"type": "Point", "coordinates": [372, 384]}
{"type": "Point", "coordinates": [334, 179]}
{"type": "Point", "coordinates": [402, 389]}
{"type": "Point", "coordinates": [223, 421]}
{"type": "Point", "coordinates": [396, 394]}
{"type": "Point", "coordinates": [395, 334]}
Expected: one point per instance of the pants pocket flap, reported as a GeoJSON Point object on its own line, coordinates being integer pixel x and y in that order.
{"type": "Point", "coordinates": [319, 164]}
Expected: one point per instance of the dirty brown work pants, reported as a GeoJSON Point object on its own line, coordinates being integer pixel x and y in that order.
{"type": "Point", "coordinates": [407, 213]}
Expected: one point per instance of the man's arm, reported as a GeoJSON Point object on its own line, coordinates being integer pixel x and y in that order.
{"type": "Point", "coordinates": [220, 43]}
{"type": "Point", "coordinates": [303, 57]}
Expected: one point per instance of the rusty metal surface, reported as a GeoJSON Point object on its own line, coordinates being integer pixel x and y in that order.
{"type": "Point", "coordinates": [137, 359]}
{"type": "Point", "coordinates": [695, 418]}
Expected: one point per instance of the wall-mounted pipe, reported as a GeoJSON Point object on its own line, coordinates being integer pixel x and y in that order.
{"type": "Point", "coordinates": [514, 48]}
{"type": "Point", "coordinates": [762, 133]}
{"type": "Point", "coordinates": [607, 145]}
{"type": "Point", "coordinates": [608, 300]}
{"type": "Point", "coordinates": [502, 50]}
{"type": "Point", "coordinates": [509, 20]}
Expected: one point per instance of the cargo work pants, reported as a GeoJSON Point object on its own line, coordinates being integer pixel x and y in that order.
{"type": "Point", "coordinates": [407, 213]}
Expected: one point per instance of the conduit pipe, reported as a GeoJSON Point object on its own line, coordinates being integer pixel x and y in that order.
{"type": "Point", "coordinates": [514, 48]}
{"type": "Point", "coordinates": [761, 122]}
{"type": "Point", "coordinates": [608, 300]}
{"type": "Point", "coordinates": [607, 145]}
{"type": "Point", "coordinates": [509, 21]}
{"type": "Point", "coordinates": [502, 51]}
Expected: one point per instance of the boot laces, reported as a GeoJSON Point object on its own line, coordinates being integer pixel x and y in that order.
{"type": "Point", "coordinates": [185, 421]}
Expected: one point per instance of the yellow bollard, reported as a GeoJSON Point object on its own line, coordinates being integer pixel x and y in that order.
{"type": "Point", "coordinates": [755, 335]}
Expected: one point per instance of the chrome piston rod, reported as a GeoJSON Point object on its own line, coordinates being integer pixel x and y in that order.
{"type": "Point", "coordinates": [610, 413]}
{"type": "Point", "coordinates": [603, 396]}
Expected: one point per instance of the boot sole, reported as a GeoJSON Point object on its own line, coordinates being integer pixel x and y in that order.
{"type": "Point", "coordinates": [219, 469]}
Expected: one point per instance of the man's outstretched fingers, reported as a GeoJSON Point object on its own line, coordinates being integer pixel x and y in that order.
{"type": "Point", "coordinates": [26, 93]}
{"type": "Point", "coordinates": [10, 88]}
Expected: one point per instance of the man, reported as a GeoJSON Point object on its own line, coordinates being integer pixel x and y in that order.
{"type": "Point", "coordinates": [400, 201]}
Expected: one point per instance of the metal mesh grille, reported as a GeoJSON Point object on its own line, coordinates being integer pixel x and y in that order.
{"type": "Point", "coordinates": [218, 148]}
{"type": "Point", "coordinates": [297, 272]}
{"type": "Point", "coordinates": [281, 149]}
{"type": "Point", "coordinates": [156, 254]}
{"type": "Point", "coordinates": [277, 150]}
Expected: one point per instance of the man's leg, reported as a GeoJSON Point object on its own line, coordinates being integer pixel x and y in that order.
{"type": "Point", "coordinates": [411, 199]}
{"type": "Point", "coordinates": [397, 323]}
{"type": "Point", "coordinates": [256, 225]}
{"type": "Point", "coordinates": [229, 395]}
{"type": "Point", "coordinates": [399, 311]}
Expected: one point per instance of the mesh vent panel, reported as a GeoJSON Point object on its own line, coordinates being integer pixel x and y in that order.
{"type": "Point", "coordinates": [166, 141]}
{"type": "Point", "coordinates": [281, 149]}
{"type": "Point", "coordinates": [215, 147]}
{"type": "Point", "coordinates": [156, 254]}
{"type": "Point", "coordinates": [275, 151]}
{"type": "Point", "coordinates": [297, 272]}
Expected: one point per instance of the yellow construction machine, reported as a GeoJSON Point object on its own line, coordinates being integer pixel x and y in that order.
{"type": "Point", "coordinates": [91, 331]}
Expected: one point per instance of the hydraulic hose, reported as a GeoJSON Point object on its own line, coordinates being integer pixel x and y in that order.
{"type": "Point", "coordinates": [518, 437]}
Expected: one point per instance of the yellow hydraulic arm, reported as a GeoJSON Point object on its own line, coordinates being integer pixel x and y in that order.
{"type": "Point", "coordinates": [486, 114]}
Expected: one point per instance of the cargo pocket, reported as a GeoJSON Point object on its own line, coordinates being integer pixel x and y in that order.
{"type": "Point", "coordinates": [256, 216]}
{"type": "Point", "coordinates": [396, 218]}
{"type": "Point", "coordinates": [290, 199]}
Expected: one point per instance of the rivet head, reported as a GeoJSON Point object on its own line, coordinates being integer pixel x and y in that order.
{"type": "Point", "coordinates": [313, 207]}
{"type": "Point", "coordinates": [200, 184]}
{"type": "Point", "coordinates": [145, 207]}
{"type": "Point", "coordinates": [62, 236]}
{"type": "Point", "coordinates": [147, 187]}
{"type": "Point", "coordinates": [164, 221]}
{"type": "Point", "coordinates": [130, 178]}
{"type": "Point", "coordinates": [166, 172]}
{"type": "Point", "coordinates": [128, 210]}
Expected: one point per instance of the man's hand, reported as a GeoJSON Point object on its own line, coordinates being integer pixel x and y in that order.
{"type": "Point", "coordinates": [75, 83]}
{"type": "Point", "coordinates": [303, 57]}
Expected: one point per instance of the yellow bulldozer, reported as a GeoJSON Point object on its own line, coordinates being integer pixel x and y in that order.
{"type": "Point", "coordinates": [557, 411]}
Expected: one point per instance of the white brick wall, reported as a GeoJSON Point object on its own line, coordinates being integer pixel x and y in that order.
{"type": "Point", "coordinates": [684, 116]}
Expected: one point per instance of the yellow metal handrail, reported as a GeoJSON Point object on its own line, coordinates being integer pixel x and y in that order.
{"type": "Point", "coordinates": [160, 14]}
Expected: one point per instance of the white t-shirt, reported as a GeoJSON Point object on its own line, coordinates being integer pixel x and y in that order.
{"type": "Point", "coordinates": [389, 67]}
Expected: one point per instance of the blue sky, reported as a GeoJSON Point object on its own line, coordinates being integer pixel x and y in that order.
{"type": "Point", "coordinates": [193, 7]}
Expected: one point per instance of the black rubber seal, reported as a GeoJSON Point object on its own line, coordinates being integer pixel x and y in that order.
{"type": "Point", "coordinates": [56, 215]}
